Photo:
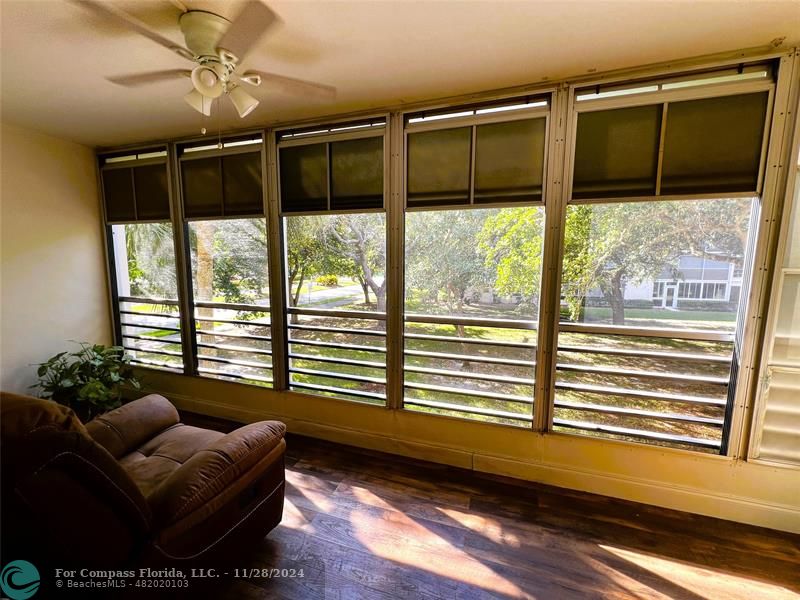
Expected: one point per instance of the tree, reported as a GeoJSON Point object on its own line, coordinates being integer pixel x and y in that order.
{"type": "Point", "coordinates": [609, 246]}
{"type": "Point", "coordinates": [304, 250]}
{"type": "Point", "coordinates": [241, 271]}
{"type": "Point", "coordinates": [361, 240]}
{"type": "Point", "coordinates": [151, 260]}
{"type": "Point", "coordinates": [204, 263]}
{"type": "Point", "coordinates": [442, 258]}
{"type": "Point", "coordinates": [511, 243]}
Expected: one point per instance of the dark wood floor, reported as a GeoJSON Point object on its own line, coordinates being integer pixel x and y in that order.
{"type": "Point", "coordinates": [363, 524]}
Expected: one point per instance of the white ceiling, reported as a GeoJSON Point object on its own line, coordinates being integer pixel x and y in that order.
{"type": "Point", "coordinates": [55, 55]}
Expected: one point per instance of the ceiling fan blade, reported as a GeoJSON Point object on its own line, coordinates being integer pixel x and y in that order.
{"type": "Point", "coordinates": [111, 12]}
{"type": "Point", "coordinates": [292, 85]}
{"type": "Point", "coordinates": [138, 79]}
{"type": "Point", "coordinates": [247, 28]}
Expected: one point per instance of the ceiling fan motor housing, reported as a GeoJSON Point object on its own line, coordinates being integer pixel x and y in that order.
{"type": "Point", "coordinates": [203, 31]}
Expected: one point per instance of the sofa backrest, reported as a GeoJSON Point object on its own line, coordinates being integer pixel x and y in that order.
{"type": "Point", "coordinates": [64, 497]}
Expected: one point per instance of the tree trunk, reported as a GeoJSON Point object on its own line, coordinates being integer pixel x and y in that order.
{"type": "Point", "coordinates": [616, 298]}
{"type": "Point", "coordinates": [294, 298]}
{"type": "Point", "coordinates": [365, 289]}
{"type": "Point", "coordinates": [380, 299]}
{"type": "Point", "coordinates": [204, 232]}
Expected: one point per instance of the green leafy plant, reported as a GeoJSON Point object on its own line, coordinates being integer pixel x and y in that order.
{"type": "Point", "coordinates": [89, 380]}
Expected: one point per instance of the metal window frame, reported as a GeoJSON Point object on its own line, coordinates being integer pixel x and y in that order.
{"type": "Point", "coordinates": [182, 223]}
{"type": "Point", "coordinates": [281, 217]}
{"type": "Point", "coordinates": [765, 287]}
{"type": "Point", "coordinates": [778, 91]}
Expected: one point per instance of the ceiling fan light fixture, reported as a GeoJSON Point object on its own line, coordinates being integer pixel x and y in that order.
{"type": "Point", "coordinates": [207, 81]}
{"type": "Point", "coordinates": [227, 57]}
{"type": "Point", "coordinates": [251, 78]}
{"type": "Point", "coordinates": [199, 102]}
{"type": "Point", "coordinates": [244, 102]}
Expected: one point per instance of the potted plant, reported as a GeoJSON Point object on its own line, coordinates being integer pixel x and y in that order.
{"type": "Point", "coordinates": [89, 380]}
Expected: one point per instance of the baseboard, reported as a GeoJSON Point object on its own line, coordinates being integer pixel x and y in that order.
{"type": "Point", "coordinates": [648, 491]}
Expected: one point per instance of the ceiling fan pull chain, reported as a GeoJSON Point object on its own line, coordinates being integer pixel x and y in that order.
{"type": "Point", "coordinates": [219, 124]}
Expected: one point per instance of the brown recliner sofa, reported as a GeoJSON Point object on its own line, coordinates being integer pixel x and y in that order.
{"type": "Point", "coordinates": [134, 486]}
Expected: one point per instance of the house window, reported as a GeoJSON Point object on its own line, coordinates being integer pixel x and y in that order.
{"type": "Point", "coordinates": [689, 290]}
{"type": "Point", "coordinates": [332, 188]}
{"type": "Point", "coordinates": [141, 247]}
{"type": "Point", "coordinates": [336, 288]}
{"type": "Point", "coordinates": [658, 289]}
{"type": "Point", "coordinates": [473, 267]}
{"type": "Point", "coordinates": [479, 156]}
{"type": "Point", "coordinates": [627, 369]}
{"type": "Point", "coordinates": [230, 287]}
{"type": "Point", "coordinates": [710, 145]}
{"type": "Point", "coordinates": [147, 293]}
{"type": "Point", "coordinates": [714, 291]}
{"type": "Point", "coordinates": [223, 204]}
{"type": "Point", "coordinates": [471, 312]}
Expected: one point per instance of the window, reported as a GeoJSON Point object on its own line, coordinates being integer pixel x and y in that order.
{"type": "Point", "coordinates": [630, 367]}
{"type": "Point", "coordinates": [230, 286]}
{"type": "Point", "coordinates": [714, 291]}
{"type": "Point", "coordinates": [222, 185]}
{"type": "Point", "coordinates": [336, 286]}
{"type": "Point", "coordinates": [438, 167]}
{"type": "Point", "coordinates": [714, 144]}
{"type": "Point", "coordinates": [335, 262]}
{"type": "Point", "coordinates": [142, 253]}
{"type": "Point", "coordinates": [471, 311]}
{"type": "Point", "coordinates": [689, 290]}
{"type": "Point", "coordinates": [223, 201]}
{"type": "Point", "coordinates": [508, 158]}
{"type": "Point", "coordinates": [661, 187]}
{"type": "Point", "coordinates": [147, 293]}
{"type": "Point", "coordinates": [136, 189]}
{"type": "Point", "coordinates": [473, 274]}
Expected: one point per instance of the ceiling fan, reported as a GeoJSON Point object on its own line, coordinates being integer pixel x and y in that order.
{"type": "Point", "coordinates": [218, 46]}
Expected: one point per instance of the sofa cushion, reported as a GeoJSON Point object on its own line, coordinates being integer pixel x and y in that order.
{"type": "Point", "coordinates": [159, 457]}
{"type": "Point", "coordinates": [217, 467]}
{"type": "Point", "coordinates": [126, 428]}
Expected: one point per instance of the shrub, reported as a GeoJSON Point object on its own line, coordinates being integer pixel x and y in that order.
{"type": "Point", "coordinates": [328, 280]}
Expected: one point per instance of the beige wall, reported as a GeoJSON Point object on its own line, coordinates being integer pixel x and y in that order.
{"type": "Point", "coordinates": [52, 274]}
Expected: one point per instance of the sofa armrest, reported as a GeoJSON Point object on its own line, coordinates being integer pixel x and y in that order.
{"type": "Point", "coordinates": [124, 429]}
{"type": "Point", "coordinates": [211, 471]}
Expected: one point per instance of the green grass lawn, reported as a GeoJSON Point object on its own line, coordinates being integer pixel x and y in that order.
{"type": "Point", "coordinates": [598, 313]}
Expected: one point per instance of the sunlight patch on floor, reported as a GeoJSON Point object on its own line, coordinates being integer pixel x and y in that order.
{"type": "Point", "coordinates": [485, 526]}
{"type": "Point", "coordinates": [293, 518]}
{"type": "Point", "coordinates": [424, 549]}
{"type": "Point", "coordinates": [704, 583]}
